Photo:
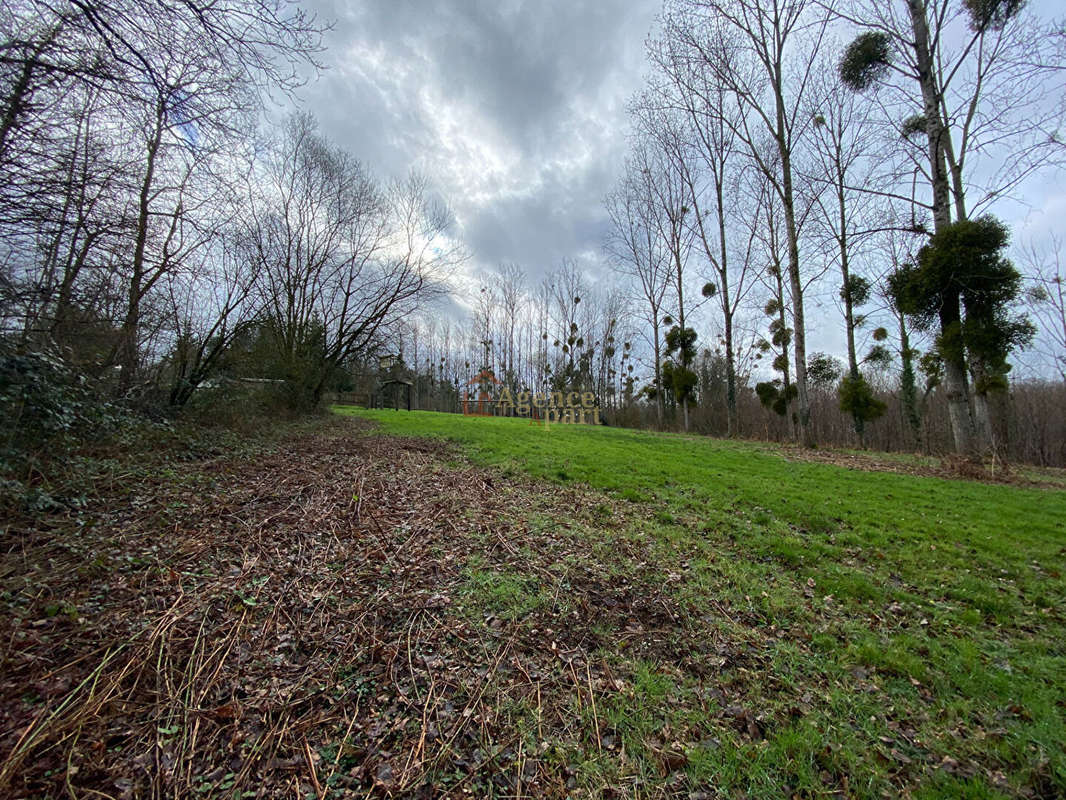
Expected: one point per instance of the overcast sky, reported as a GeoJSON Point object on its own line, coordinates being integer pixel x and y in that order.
{"type": "Point", "coordinates": [517, 112]}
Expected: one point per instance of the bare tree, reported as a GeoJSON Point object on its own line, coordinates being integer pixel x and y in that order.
{"type": "Point", "coordinates": [172, 216]}
{"type": "Point", "coordinates": [71, 226]}
{"type": "Point", "coordinates": [123, 46]}
{"type": "Point", "coordinates": [342, 260]}
{"type": "Point", "coordinates": [640, 256]}
{"type": "Point", "coordinates": [765, 54]}
{"type": "Point", "coordinates": [711, 121]}
{"type": "Point", "coordinates": [157, 90]}
{"type": "Point", "coordinates": [846, 217]}
{"type": "Point", "coordinates": [668, 167]}
{"type": "Point", "coordinates": [612, 340]}
{"type": "Point", "coordinates": [768, 230]}
{"type": "Point", "coordinates": [566, 287]}
{"type": "Point", "coordinates": [1046, 297]}
{"type": "Point", "coordinates": [512, 290]}
{"type": "Point", "coordinates": [212, 303]}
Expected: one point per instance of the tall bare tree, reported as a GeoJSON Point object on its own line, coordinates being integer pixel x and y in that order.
{"type": "Point", "coordinates": [639, 254]}
{"type": "Point", "coordinates": [668, 166]}
{"type": "Point", "coordinates": [845, 216]}
{"type": "Point", "coordinates": [768, 231]}
{"type": "Point", "coordinates": [512, 290]}
{"type": "Point", "coordinates": [178, 186]}
{"type": "Point", "coordinates": [710, 121]}
{"type": "Point", "coordinates": [765, 53]}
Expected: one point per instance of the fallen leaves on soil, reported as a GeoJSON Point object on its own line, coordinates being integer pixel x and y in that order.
{"type": "Point", "coordinates": [294, 624]}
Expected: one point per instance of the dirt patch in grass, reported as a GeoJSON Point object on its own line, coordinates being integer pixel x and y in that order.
{"type": "Point", "coordinates": [949, 467]}
{"type": "Point", "coordinates": [307, 622]}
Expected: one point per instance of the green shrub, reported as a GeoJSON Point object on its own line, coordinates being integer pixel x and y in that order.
{"type": "Point", "coordinates": [857, 399]}
{"type": "Point", "coordinates": [47, 408]}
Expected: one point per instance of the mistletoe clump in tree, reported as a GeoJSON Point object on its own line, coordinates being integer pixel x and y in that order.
{"type": "Point", "coordinates": [962, 280]}
{"type": "Point", "coordinates": [857, 397]}
{"type": "Point", "coordinates": [678, 376]}
{"type": "Point", "coordinates": [777, 394]}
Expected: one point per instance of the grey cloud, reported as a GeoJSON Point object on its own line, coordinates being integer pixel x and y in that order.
{"type": "Point", "coordinates": [515, 109]}
{"type": "Point", "coordinates": [521, 64]}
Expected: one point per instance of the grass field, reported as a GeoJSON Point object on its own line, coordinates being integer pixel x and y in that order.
{"type": "Point", "coordinates": [415, 605]}
{"type": "Point", "coordinates": [820, 630]}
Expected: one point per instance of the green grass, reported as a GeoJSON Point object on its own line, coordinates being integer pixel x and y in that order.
{"type": "Point", "coordinates": [500, 594]}
{"type": "Point", "coordinates": [905, 631]}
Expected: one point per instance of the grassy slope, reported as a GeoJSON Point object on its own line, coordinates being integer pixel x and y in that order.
{"type": "Point", "coordinates": [910, 620]}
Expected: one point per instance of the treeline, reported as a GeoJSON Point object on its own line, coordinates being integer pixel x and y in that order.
{"type": "Point", "coordinates": [532, 336]}
{"type": "Point", "coordinates": [774, 158]}
{"type": "Point", "coordinates": [795, 155]}
{"type": "Point", "coordinates": [159, 237]}
{"type": "Point", "coordinates": [156, 231]}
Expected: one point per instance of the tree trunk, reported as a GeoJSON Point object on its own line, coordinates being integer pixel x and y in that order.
{"type": "Point", "coordinates": [999, 428]}
{"type": "Point", "coordinates": [727, 315]}
{"type": "Point", "coordinates": [849, 305]}
{"type": "Point", "coordinates": [907, 390]}
{"type": "Point", "coordinates": [682, 351]}
{"type": "Point", "coordinates": [981, 423]}
{"type": "Point", "coordinates": [127, 345]}
{"type": "Point", "coordinates": [955, 384]}
{"type": "Point", "coordinates": [794, 276]}
{"type": "Point", "coordinates": [786, 382]}
{"type": "Point", "coordinates": [989, 393]}
{"type": "Point", "coordinates": [658, 370]}
{"type": "Point", "coordinates": [798, 320]}
{"type": "Point", "coordinates": [990, 409]}
{"type": "Point", "coordinates": [730, 379]}
{"type": "Point", "coordinates": [722, 269]}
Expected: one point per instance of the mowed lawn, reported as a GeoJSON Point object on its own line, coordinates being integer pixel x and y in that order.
{"type": "Point", "coordinates": [835, 632]}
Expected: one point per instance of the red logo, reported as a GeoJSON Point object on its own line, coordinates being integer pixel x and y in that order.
{"type": "Point", "coordinates": [479, 405]}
